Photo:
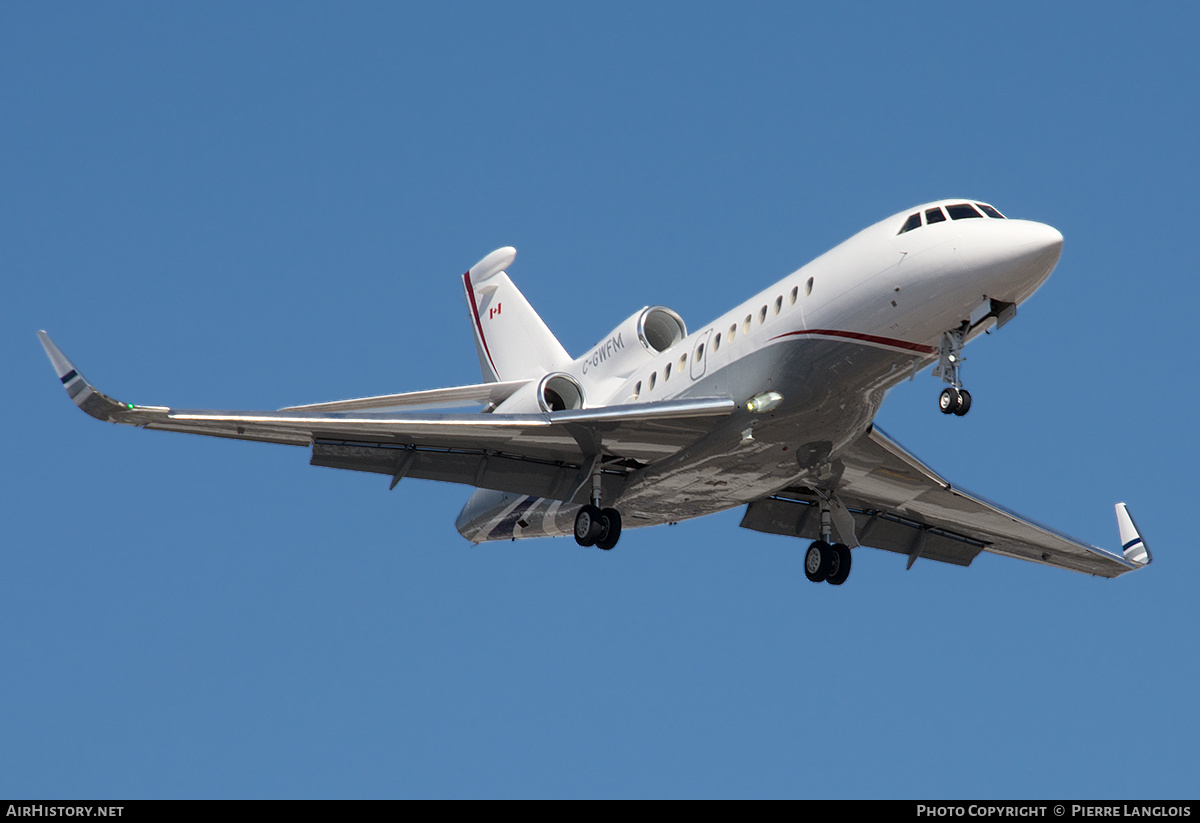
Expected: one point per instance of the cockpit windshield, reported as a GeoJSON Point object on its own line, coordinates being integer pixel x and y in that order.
{"type": "Point", "coordinates": [957, 211]}
{"type": "Point", "coordinates": [962, 211]}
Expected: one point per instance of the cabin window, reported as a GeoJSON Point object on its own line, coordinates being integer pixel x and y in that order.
{"type": "Point", "coordinates": [637, 389]}
{"type": "Point", "coordinates": [795, 293]}
{"type": "Point", "coordinates": [762, 315]}
{"type": "Point", "coordinates": [717, 342]}
{"type": "Point", "coordinates": [732, 332]}
{"type": "Point", "coordinates": [667, 373]}
{"type": "Point", "coordinates": [808, 287]}
{"type": "Point", "coordinates": [700, 351]}
{"type": "Point", "coordinates": [962, 211]}
{"type": "Point", "coordinates": [778, 303]}
{"type": "Point", "coordinates": [746, 325]}
{"type": "Point", "coordinates": [989, 211]}
{"type": "Point", "coordinates": [653, 379]}
{"type": "Point", "coordinates": [682, 362]}
{"type": "Point", "coordinates": [934, 216]}
{"type": "Point", "coordinates": [913, 222]}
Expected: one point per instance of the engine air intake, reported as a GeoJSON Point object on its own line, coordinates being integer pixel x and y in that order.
{"type": "Point", "coordinates": [558, 391]}
{"type": "Point", "coordinates": [660, 328]}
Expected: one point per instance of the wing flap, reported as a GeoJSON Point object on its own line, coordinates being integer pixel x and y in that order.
{"type": "Point", "coordinates": [879, 530]}
{"type": "Point", "coordinates": [479, 468]}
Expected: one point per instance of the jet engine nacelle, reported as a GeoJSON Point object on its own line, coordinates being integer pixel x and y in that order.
{"type": "Point", "coordinates": [623, 351]}
{"type": "Point", "coordinates": [627, 347]}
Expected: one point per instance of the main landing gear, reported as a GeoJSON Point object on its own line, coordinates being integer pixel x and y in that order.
{"type": "Point", "coordinates": [954, 399]}
{"type": "Point", "coordinates": [598, 527]}
{"type": "Point", "coordinates": [825, 560]}
{"type": "Point", "coordinates": [595, 526]}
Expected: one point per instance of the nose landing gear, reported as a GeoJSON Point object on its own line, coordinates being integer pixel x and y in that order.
{"type": "Point", "coordinates": [954, 399]}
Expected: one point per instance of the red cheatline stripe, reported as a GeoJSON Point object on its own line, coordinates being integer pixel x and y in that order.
{"type": "Point", "coordinates": [865, 338]}
{"type": "Point", "coordinates": [478, 325]}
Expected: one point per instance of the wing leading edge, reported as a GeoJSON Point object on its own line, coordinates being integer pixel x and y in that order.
{"type": "Point", "coordinates": [899, 504]}
{"type": "Point", "coordinates": [528, 453]}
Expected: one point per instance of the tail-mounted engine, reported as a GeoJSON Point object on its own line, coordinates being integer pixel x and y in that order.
{"type": "Point", "coordinates": [643, 335]}
{"type": "Point", "coordinates": [557, 391]}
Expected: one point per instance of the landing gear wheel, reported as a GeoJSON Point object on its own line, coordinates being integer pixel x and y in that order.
{"type": "Point", "coordinates": [818, 561]}
{"type": "Point", "coordinates": [841, 566]}
{"type": "Point", "coordinates": [964, 402]}
{"type": "Point", "coordinates": [588, 525]}
{"type": "Point", "coordinates": [610, 532]}
{"type": "Point", "coordinates": [950, 400]}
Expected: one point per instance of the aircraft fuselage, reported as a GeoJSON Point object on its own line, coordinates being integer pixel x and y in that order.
{"type": "Point", "coordinates": [830, 339]}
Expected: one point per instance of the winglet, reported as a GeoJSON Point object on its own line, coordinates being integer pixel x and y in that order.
{"type": "Point", "coordinates": [62, 366]}
{"type": "Point", "coordinates": [85, 395]}
{"type": "Point", "coordinates": [1132, 545]}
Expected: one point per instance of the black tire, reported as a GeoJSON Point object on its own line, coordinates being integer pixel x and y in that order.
{"type": "Point", "coordinates": [841, 568]}
{"type": "Point", "coordinates": [587, 525]}
{"type": "Point", "coordinates": [964, 402]}
{"type": "Point", "coordinates": [610, 532]}
{"type": "Point", "coordinates": [818, 561]}
{"type": "Point", "coordinates": [949, 400]}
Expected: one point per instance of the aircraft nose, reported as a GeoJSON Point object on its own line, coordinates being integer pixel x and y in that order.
{"type": "Point", "coordinates": [1043, 239]}
{"type": "Point", "coordinates": [1031, 251]}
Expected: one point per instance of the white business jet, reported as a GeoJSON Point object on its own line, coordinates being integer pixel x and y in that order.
{"type": "Point", "coordinates": [769, 406]}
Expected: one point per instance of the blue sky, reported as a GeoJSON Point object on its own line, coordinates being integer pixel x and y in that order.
{"type": "Point", "coordinates": [258, 205]}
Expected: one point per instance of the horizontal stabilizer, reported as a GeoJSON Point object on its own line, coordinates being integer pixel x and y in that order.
{"type": "Point", "coordinates": [1132, 545]}
{"type": "Point", "coordinates": [490, 394]}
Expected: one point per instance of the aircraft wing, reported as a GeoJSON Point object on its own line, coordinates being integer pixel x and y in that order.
{"type": "Point", "coordinates": [527, 453]}
{"type": "Point", "coordinates": [901, 505]}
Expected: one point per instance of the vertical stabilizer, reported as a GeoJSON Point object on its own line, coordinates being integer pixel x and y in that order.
{"type": "Point", "coordinates": [512, 341]}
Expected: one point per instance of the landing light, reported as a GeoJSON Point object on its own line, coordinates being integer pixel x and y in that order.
{"type": "Point", "coordinates": [764, 402]}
